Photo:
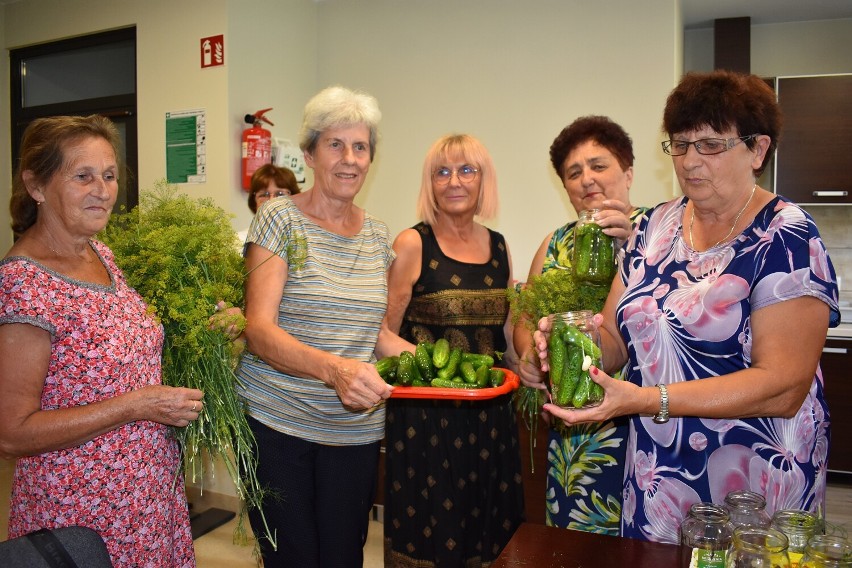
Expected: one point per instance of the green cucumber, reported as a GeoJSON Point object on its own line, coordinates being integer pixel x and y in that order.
{"type": "Point", "coordinates": [482, 376]}
{"type": "Point", "coordinates": [452, 366]}
{"type": "Point", "coordinates": [477, 360]}
{"type": "Point", "coordinates": [424, 362]}
{"type": "Point", "coordinates": [448, 384]}
{"type": "Point", "coordinates": [441, 353]}
{"type": "Point", "coordinates": [386, 364]}
{"type": "Point", "coordinates": [496, 377]}
{"type": "Point", "coordinates": [406, 368]}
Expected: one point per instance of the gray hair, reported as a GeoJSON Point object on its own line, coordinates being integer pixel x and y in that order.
{"type": "Point", "coordinates": [336, 107]}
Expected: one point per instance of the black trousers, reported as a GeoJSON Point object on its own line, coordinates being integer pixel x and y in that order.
{"type": "Point", "coordinates": [321, 501]}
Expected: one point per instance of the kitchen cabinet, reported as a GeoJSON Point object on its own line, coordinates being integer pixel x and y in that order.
{"type": "Point", "coordinates": [835, 362]}
{"type": "Point", "coordinates": [811, 164]}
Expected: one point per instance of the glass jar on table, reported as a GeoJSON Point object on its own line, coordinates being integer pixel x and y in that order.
{"type": "Point", "coordinates": [827, 551]}
{"type": "Point", "coordinates": [706, 535]}
{"type": "Point", "coordinates": [799, 526]}
{"type": "Point", "coordinates": [758, 547]}
{"type": "Point", "coordinates": [747, 508]}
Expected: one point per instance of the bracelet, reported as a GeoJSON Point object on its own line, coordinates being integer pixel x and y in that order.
{"type": "Point", "coordinates": [663, 415]}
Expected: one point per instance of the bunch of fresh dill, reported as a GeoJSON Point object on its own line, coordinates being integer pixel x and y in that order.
{"type": "Point", "coordinates": [180, 254]}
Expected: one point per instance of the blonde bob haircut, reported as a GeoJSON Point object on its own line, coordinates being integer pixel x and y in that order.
{"type": "Point", "coordinates": [339, 107]}
{"type": "Point", "coordinates": [451, 148]}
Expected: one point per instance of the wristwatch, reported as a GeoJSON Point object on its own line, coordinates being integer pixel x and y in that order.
{"type": "Point", "coordinates": [663, 415]}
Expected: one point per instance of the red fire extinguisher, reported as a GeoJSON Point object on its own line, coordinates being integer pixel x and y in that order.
{"type": "Point", "coordinates": [257, 145]}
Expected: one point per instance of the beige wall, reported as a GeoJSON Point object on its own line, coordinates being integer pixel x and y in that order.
{"type": "Point", "coordinates": [509, 74]}
{"type": "Point", "coordinates": [513, 74]}
{"type": "Point", "coordinates": [273, 49]}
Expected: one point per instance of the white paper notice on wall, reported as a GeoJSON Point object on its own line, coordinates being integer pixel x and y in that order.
{"type": "Point", "coordinates": [285, 154]}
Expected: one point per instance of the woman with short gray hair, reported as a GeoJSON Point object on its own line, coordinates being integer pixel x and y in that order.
{"type": "Point", "coordinates": [316, 295]}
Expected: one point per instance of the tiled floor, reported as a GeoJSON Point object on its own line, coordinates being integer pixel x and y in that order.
{"type": "Point", "coordinates": [216, 548]}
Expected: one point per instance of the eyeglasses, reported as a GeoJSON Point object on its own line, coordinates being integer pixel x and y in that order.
{"type": "Point", "coordinates": [466, 173]}
{"type": "Point", "coordinates": [705, 146]}
{"type": "Point", "coordinates": [267, 195]}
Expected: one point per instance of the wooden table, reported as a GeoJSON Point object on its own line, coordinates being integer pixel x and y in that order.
{"type": "Point", "coordinates": [540, 546]}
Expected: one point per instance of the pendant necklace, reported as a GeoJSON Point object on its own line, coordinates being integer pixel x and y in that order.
{"type": "Point", "coordinates": [731, 232]}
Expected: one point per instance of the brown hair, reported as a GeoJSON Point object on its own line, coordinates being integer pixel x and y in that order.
{"type": "Point", "coordinates": [722, 100]}
{"type": "Point", "coordinates": [43, 153]}
{"type": "Point", "coordinates": [599, 129]}
{"type": "Point", "coordinates": [283, 178]}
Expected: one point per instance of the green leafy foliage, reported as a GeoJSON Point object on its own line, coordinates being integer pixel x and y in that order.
{"type": "Point", "coordinates": [180, 254]}
{"type": "Point", "coordinates": [554, 292]}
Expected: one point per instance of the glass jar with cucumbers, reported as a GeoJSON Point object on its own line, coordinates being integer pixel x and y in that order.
{"type": "Point", "coordinates": [574, 345]}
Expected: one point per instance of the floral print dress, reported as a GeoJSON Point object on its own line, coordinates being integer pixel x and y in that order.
{"type": "Point", "coordinates": [585, 462]}
{"type": "Point", "coordinates": [686, 315]}
{"type": "Point", "coordinates": [126, 484]}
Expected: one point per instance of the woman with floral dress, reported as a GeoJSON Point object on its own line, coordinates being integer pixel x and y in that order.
{"type": "Point", "coordinates": [718, 320]}
{"type": "Point", "coordinates": [82, 407]}
{"type": "Point", "coordinates": [593, 156]}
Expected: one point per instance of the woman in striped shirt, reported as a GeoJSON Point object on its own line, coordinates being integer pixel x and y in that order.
{"type": "Point", "coordinates": [316, 296]}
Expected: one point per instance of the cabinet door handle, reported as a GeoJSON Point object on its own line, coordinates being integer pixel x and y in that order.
{"type": "Point", "coordinates": [830, 193]}
{"type": "Point", "coordinates": [838, 350]}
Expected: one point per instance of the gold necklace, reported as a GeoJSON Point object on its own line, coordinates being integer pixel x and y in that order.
{"type": "Point", "coordinates": [731, 232]}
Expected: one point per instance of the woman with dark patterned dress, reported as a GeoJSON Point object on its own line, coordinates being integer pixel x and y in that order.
{"type": "Point", "coordinates": [82, 407]}
{"type": "Point", "coordinates": [453, 490]}
{"type": "Point", "coordinates": [593, 157]}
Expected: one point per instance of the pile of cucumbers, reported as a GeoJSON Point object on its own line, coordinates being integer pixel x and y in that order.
{"type": "Point", "coordinates": [439, 365]}
{"type": "Point", "coordinates": [571, 353]}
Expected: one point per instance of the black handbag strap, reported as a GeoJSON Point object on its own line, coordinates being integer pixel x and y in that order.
{"type": "Point", "coordinates": [51, 549]}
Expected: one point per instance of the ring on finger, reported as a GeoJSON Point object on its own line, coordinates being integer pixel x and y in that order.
{"type": "Point", "coordinates": [193, 405]}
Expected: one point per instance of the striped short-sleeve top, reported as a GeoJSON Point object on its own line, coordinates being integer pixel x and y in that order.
{"type": "Point", "coordinates": [335, 299]}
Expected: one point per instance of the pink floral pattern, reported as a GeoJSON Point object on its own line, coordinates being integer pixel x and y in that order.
{"type": "Point", "coordinates": [126, 484]}
{"type": "Point", "coordinates": [685, 316]}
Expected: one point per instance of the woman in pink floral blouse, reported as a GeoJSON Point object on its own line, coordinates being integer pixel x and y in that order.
{"type": "Point", "coordinates": [82, 407]}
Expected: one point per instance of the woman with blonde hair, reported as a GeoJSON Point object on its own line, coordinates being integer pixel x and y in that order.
{"type": "Point", "coordinates": [453, 492]}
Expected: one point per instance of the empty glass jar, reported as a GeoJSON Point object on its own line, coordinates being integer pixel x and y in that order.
{"type": "Point", "coordinates": [706, 535]}
{"type": "Point", "coordinates": [827, 551]}
{"type": "Point", "coordinates": [758, 547]}
{"type": "Point", "coordinates": [594, 251]}
{"type": "Point", "coordinates": [747, 508]}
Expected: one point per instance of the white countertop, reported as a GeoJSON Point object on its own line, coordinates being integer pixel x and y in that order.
{"type": "Point", "coordinates": [842, 331]}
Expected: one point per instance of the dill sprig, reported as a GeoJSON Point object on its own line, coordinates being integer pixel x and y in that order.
{"type": "Point", "coordinates": [180, 254]}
